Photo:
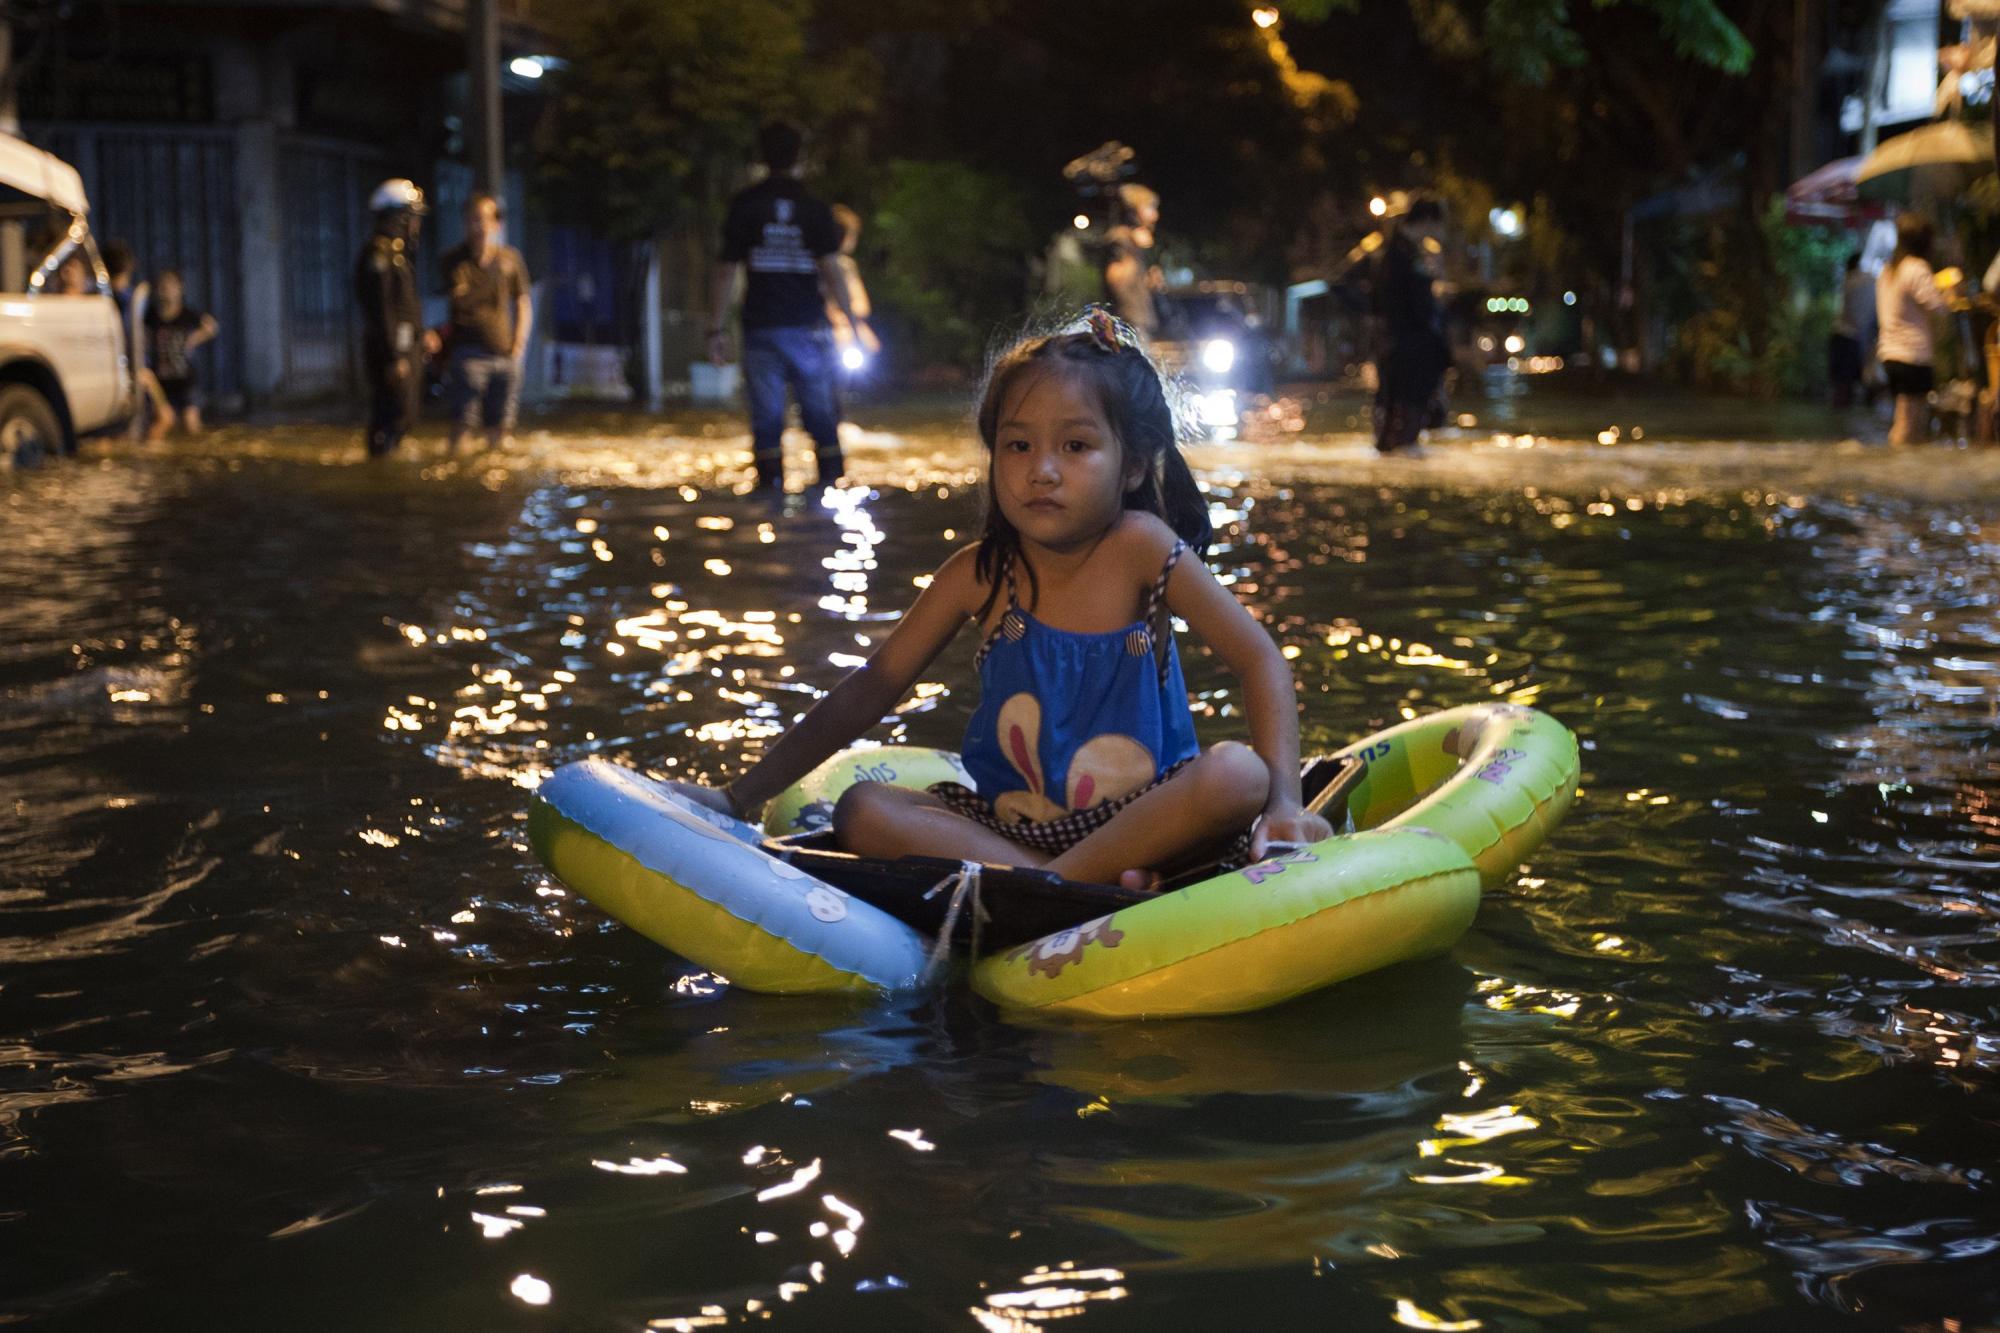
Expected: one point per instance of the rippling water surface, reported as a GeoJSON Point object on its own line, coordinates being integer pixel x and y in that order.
{"type": "Point", "coordinates": [297, 1034]}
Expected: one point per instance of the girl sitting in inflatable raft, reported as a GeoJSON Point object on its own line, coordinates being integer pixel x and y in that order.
{"type": "Point", "coordinates": [1082, 749]}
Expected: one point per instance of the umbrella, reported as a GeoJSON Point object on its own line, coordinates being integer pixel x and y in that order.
{"type": "Point", "coordinates": [1941, 148]}
{"type": "Point", "coordinates": [1828, 195]}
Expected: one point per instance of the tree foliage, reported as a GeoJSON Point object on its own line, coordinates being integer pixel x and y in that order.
{"type": "Point", "coordinates": [1529, 40]}
{"type": "Point", "coordinates": [946, 122]}
{"type": "Point", "coordinates": [949, 245]}
{"type": "Point", "coordinates": [653, 100]}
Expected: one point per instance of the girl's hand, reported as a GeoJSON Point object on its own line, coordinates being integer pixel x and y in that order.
{"type": "Point", "coordinates": [1286, 829]}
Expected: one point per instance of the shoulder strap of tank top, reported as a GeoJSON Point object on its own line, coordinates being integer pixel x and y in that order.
{"type": "Point", "coordinates": [1010, 624]}
{"type": "Point", "coordinates": [1157, 622]}
{"type": "Point", "coordinates": [1157, 597]}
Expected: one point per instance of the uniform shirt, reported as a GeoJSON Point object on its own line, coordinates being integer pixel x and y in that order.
{"type": "Point", "coordinates": [167, 343]}
{"type": "Point", "coordinates": [386, 288]}
{"type": "Point", "coordinates": [1906, 295]}
{"type": "Point", "coordinates": [778, 232]}
{"type": "Point", "coordinates": [483, 297]}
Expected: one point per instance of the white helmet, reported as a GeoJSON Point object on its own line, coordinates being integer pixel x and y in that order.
{"type": "Point", "coordinates": [395, 194]}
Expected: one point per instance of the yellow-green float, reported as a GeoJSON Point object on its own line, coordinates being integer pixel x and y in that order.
{"type": "Point", "coordinates": [1444, 806]}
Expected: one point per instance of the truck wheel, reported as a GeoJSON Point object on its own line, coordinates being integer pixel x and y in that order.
{"type": "Point", "coordinates": [29, 431]}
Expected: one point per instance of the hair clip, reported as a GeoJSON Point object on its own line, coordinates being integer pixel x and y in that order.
{"type": "Point", "coordinates": [1102, 327]}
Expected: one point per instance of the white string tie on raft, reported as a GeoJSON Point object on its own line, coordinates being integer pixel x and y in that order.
{"type": "Point", "coordinates": [964, 884]}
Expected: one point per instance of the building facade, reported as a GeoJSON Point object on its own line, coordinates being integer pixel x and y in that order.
{"type": "Point", "coordinates": [239, 142]}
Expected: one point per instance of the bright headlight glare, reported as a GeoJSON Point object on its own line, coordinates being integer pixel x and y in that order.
{"type": "Point", "coordinates": [1218, 355]}
{"type": "Point", "coordinates": [1217, 408]}
{"type": "Point", "coordinates": [853, 358]}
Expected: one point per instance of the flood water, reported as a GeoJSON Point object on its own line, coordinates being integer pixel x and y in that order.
{"type": "Point", "coordinates": [297, 1034]}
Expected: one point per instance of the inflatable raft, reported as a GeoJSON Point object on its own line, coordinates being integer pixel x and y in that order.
{"type": "Point", "coordinates": [1439, 808]}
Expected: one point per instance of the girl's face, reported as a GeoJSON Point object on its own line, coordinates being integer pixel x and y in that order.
{"type": "Point", "coordinates": [169, 293]}
{"type": "Point", "coordinates": [1059, 473]}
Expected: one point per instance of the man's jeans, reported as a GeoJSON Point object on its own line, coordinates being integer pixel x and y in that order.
{"type": "Point", "coordinates": [483, 389]}
{"type": "Point", "coordinates": [803, 358]}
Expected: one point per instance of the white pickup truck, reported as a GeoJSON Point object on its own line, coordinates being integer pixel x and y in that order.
{"type": "Point", "coordinates": [64, 372]}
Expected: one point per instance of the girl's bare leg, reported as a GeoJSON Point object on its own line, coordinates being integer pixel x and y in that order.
{"type": "Point", "coordinates": [1911, 421]}
{"type": "Point", "coordinates": [1216, 796]}
{"type": "Point", "coordinates": [876, 819]}
{"type": "Point", "coordinates": [1207, 802]}
{"type": "Point", "coordinates": [161, 417]}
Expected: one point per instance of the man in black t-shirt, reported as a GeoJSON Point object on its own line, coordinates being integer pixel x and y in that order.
{"type": "Point", "coordinates": [788, 244]}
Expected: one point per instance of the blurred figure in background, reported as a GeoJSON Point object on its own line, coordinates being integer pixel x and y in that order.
{"type": "Point", "coordinates": [785, 240]}
{"type": "Point", "coordinates": [393, 338]}
{"type": "Point", "coordinates": [73, 277]}
{"type": "Point", "coordinates": [1907, 296]}
{"type": "Point", "coordinates": [854, 340]}
{"type": "Point", "coordinates": [1130, 276]}
{"type": "Point", "coordinates": [1849, 348]}
{"type": "Point", "coordinates": [131, 296]}
{"type": "Point", "coordinates": [1411, 353]}
{"type": "Point", "coordinates": [486, 333]}
{"type": "Point", "coordinates": [174, 330]}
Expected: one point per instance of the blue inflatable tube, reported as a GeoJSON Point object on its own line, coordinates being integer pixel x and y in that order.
{"type": "Point", "coordinates": [696, 881]}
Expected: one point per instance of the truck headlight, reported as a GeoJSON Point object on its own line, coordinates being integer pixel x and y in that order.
{"type": "Point", "coordinates": [1218, 356]}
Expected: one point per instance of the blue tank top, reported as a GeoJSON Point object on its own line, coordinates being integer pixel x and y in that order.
{"type": "Point", "coordinates": [1067, 721]}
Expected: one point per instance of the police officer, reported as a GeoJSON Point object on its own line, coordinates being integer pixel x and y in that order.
{"type": "Point", "coordinates": [393, 338]}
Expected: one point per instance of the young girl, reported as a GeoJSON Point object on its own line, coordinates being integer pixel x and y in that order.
{"type": "Point", "coordinates": [1907, 296]}
{"type": "Point", "coordinates": [1083, 744]}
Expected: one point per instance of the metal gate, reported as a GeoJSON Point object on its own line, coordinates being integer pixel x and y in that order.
{"type": "Point", "coordinates": [325, 199]}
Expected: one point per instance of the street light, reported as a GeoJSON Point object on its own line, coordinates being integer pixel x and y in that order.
{"type": "Point", "coordinates": [526, 66]}
{"type": "Point", "coordinates": [1264, 16]}
{"type": "Point", "coordinates": [1080, 222]}
{"type": "Point", "coordinates": [1378, 205]}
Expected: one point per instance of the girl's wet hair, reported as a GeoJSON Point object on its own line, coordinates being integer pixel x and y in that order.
{"type": "Point", "coordinates": [1106, 355]}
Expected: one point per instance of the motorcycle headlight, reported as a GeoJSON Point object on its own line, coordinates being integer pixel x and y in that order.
{"type": "Point", "coordinates": [1218, 356]}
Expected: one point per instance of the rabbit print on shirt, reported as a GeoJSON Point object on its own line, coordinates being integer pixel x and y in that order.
{"type": "Point", "coordinates": [1104, 767]}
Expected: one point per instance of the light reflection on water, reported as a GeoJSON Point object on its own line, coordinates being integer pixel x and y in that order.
{"type": "Point", "coordinates": [291, 1002]}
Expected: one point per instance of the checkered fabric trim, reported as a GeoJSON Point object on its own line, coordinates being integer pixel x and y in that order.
{"type": "Point", "coordinates": [1056, 836]}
